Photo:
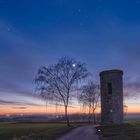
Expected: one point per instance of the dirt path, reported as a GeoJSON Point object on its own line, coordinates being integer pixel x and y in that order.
{"type": "Point", "coordinates": [81, 133]}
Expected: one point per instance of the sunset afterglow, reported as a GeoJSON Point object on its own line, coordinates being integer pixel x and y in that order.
{"type": "Point", "coordinates": [103, 35]}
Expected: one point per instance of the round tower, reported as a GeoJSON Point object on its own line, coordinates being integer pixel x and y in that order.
{"type": "Point", "coordinates": [111, 82]}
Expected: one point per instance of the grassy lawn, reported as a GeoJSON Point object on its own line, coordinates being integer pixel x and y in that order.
{"type": "Point", "coordinates": [35, 131]}
{"type": "Point", "coordinates": [128, 131]}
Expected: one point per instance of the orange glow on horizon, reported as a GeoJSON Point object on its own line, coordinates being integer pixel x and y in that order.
{"type": "Point", "coordinates": [60, 110]}
{"type": "Point", "coordinates": [133, 109]}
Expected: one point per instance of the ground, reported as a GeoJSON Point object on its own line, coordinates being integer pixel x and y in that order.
{"type": "Point", "coordinates": [40, 131]}
{"type": "Point", "coordinates": [81, 133]}
{"type": "Point", "coordinates": [127, 131]}
{"type": "Point", "coordinates": [36, 131]}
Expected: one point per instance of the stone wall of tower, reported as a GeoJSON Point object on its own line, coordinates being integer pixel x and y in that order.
{"type": "Point", "coordinates": [111, 97]}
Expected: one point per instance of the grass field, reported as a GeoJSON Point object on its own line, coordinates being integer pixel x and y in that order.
{"type": "Point", "coordinates": [128, 131]}
{"type": "Point", "coordinates": [35, 131]}
{"type": "Point", "coordinates": [40, 131]}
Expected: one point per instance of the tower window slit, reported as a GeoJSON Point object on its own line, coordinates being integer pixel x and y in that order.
{"type": "Point", "coordinates": [109, 88]}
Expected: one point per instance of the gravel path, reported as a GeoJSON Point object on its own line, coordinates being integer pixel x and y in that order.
{"type": "Point", "coordinates": [81, 133]}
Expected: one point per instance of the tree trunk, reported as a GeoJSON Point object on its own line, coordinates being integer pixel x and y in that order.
{"type": "Point", "coordinates": [89, 116]}
{"type": "Point", "coordinates": [94, 117]}
{"type": "Point", "coordinates": [66, 116]}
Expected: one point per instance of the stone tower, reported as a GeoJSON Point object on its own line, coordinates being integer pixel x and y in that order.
{"type": "Point", "coordinates": [111, 97]}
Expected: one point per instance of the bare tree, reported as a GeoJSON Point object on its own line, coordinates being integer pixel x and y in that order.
{"type": "Point", "coordinates": [89, 98]}
{"type": "Point", "coordinates": [57, 82]}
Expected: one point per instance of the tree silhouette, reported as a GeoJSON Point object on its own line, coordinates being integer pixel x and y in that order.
{"type": "Point", "coordinates": [89, 98]}
{"type": "Point", "coordinates": [57, 82]}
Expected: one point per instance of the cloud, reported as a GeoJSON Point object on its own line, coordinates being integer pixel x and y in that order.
{"type": "Point", "coordinates": [132, 89]}
{"type": "Point", "coordinates": [20, 107]}
{"type": "Point", "coordinates": [9, 87]}
{"type": "Point", "coordinates": [20, 59]}
{"type": "Point", "coordinates": [16, 103]}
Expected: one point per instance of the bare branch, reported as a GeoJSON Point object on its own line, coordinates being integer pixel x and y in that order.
{"type": "Point", "coordinates": [89, 97]}
{"type": "Point", "coordinates": [57, 82]}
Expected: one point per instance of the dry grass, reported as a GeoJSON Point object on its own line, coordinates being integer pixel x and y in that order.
{"type": "Point", "coordinates": [35, 131]}
{"type": "Point", "coordinates": [128, 131]}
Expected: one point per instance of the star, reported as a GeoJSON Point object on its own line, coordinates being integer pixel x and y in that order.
{"type": "Point", "coordinates": [8, 29]}
{"type": "Point", "coordinates": [79, 10]}
{"type": "Point", "coordinates": [137, 1]}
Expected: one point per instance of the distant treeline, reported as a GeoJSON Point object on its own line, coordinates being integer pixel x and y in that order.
{"type": "Point", "coordinates": [59, 118]}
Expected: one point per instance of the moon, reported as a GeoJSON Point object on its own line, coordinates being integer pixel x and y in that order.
{"type": "Point", "coordinates": [74, 65]}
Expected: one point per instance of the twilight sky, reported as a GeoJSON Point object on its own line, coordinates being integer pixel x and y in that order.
{"type": "Point", "coordinates": [105, 34]}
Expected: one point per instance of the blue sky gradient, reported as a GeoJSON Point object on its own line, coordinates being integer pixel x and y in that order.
{"type": "Point", "coordinates": [102, 33]}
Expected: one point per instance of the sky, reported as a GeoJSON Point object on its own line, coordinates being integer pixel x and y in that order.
{"type": "Point", "coordinates": [102, 33]}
